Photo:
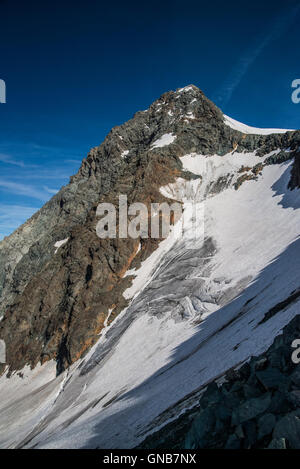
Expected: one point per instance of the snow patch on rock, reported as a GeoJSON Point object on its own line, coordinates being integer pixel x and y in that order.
{"type": "Point", "coordinates": [163, 141]}
{"type": "Point", "coordinates": [185, 89]}
{"type": "Point", "coordinates": [246, 129]}
{"type": "Point", "coordinates": [59, 244]}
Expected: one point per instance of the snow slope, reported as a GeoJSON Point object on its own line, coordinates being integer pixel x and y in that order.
{"type": "Point", "coordinates": [246, 129]}
{"type": "Point", "coordinates": [194, 313]}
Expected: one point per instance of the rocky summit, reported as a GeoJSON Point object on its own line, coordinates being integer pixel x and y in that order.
{"type": "Point", "coordinates": [108, 340]}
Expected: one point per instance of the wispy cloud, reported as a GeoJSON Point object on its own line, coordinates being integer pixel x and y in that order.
{"type": "Point", "coordinates": [12, 216]}
{"type": "Point", "coordinates": [279, 26]}
{"type": "Point", "coordinates": [30, 174]}
{"type": "Point", "coordinates": [49, 190]}
{"type": "Point", "coordinates": [22, 189]}
{"type": "Point", "coordinates": [43, 174]}
{"type": "Point", "coordinates": [33, 155]}
{"type": "Point", "coordinates": [73, 161]}
{"type": "Point", "coordinates": [7, 159]}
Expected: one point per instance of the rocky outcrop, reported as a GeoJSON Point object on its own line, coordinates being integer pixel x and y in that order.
{"type": "Point", "coordinates": [63, 309]}
{"type": "Point", "coordinates": [258, 406]}
{"type": "Point", "coordinates": [55, 304]}
{"type": "Point", "coordinates": [295, 180]}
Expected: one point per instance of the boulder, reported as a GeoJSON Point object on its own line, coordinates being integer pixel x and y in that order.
{"type": "Point", "coordinates": [266, 424]}
{"type": "Point", "coordinates": [251, 409]}
{"type": "Point", "coordinates": [288, 427]}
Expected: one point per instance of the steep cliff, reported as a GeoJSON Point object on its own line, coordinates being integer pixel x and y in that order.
{"type": "Point", "coordinates": [123, 321]}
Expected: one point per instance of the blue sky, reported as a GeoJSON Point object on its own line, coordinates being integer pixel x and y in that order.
{"type": "Point", "coordinates": [73, 70]}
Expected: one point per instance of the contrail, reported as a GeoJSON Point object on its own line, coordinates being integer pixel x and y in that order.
{"type": "Point", "coordinates": [282, 24]}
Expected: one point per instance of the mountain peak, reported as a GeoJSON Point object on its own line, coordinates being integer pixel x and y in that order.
{"type": "Point", "coordinates": [115, 306]}
{"type": "Point", "coordinates": [153, 148]}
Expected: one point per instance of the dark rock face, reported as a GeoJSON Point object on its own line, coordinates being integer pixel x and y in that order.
{"type": "Point", "coordinates": [295, 181]}
{"type": "Point", "coordinates": [54, 305]}
{"type": "Point", "coordinates": [62, 309]}
{"type": "Point", "coordinates": [257, 407]}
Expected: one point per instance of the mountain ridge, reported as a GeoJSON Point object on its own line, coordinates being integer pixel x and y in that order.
{"type": "Point", "coordinates": [199, 128]}
{"type": "Point", "coordinates": [126, 333]}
